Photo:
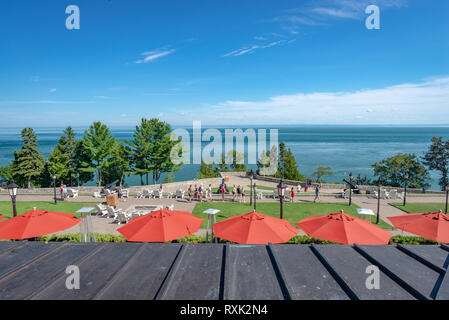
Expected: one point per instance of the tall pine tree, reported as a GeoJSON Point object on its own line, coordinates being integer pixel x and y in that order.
{"type": "Point", "coordinates": [28, 163]}
{"type": "Point", "coordinates": [62, 158]}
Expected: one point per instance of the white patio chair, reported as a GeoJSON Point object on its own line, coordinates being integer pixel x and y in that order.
{"type": "Point", "coordinates": [180, 193]}
{"type": "Point", "coordinates": [122, 217]}
{"type": "Point", "coordinates": [147, 193]}
{"type": "Point", "coordinates": [112, 213]}
{"type": "Point", "coordinates": [97, 194]}
{"type": "Point", "coordinates": [170, 195]}
{"type": "Point", "coordinates": [393, 194]}
{"type": "Point", "coordinates": [274, 195]}
{"type": "Point", "coordinates": [157, 194]}
{"type": "Point", "coordinates": [125, 193]}
{"type": "Point", "coordinates": [101, 210]}
{"type": "Point", "coordinates": [72, 193]}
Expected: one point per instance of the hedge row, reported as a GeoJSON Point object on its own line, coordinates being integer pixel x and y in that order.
{"type": "Point", "coordinates": [202, 239]}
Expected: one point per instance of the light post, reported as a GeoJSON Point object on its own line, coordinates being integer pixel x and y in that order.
{"type": "Point", "coordinates": [405, 189]}
{"type": "Point", "coordinates": [251, 175]}
{"type": "Point", "coordinates": [281, 194]}
{"type": "Point", "coordinates": [378, 203]}
{"type": "Point", "coordinates": [12, 189]}
{"type": "Point", "coordinates": [255, 196]}
{"type": "Point", "coordinates": [447, 196]}
{"type": "Point", "coordinates": [350, 189]}
{"type": "Point", "coordinates": [54, 188]}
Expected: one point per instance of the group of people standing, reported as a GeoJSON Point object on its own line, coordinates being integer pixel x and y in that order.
{"type": "Point", "coordinates": [238, 193]}
{"type": "Point", "coordinates": [199, 193]}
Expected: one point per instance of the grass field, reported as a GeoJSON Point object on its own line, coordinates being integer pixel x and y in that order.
{"type": "Point", "coordinates": [421, 207]}
{"type": "Point", "coordinates": [25, 206]}
{"type": "Point", "coordinates": [293, 212]}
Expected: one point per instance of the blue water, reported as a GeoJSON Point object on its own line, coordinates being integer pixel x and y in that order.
{"type": "Point", "coordinates": [344, 148]}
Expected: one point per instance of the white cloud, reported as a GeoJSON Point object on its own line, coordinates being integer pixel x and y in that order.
{"type": "Point", "coordinates": [123, 115]}
{"type": "Point", "coordinates": [260, 38]}
{"type": "Point", "coordinates": [155, 54]}
{"type": "Point", "coordinates": [251, 49]}
{"type": "Point", "coordinates": [52, 90]}
{"type": "Point", "coordinates": [160, 115]}
{"type": "Point", "coordinates": [425, 102]}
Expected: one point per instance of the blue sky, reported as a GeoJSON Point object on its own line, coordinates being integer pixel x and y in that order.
{"type": "Point", "coordinates": [224, 62]}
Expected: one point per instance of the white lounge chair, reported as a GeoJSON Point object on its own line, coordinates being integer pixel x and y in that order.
{"type": "Point", "coordinates": [101, 210]}
{"type": "Point", "coordinates": [122, 217]}
{"type": "Point", "coordinates": [125, 193]}
{"type": "Point", "coordinates": [113, 213]}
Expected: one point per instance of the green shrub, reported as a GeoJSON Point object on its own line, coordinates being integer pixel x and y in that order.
{"type": "Point", "coordinates": [75, 237]}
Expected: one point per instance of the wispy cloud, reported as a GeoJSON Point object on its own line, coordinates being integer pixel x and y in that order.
{"type": "Point", "coordinates": [321, 12]}
{"type": "Point", "coordinates": [252, 48]}
{"type": "Point", "coordinates": [425, 102]}
{"type": "Point", "coordinates": [155, 54]}
{"type": "Point", "coordinates": [52, 90]}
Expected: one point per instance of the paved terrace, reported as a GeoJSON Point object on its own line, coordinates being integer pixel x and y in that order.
{"type": "Point", "coordinates": [36, 270]}
{"type": "Point", "coordinates": [105, 225]}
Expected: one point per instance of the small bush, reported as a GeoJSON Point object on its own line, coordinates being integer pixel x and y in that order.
{"type": "Point", "coordinates": [75, 237]}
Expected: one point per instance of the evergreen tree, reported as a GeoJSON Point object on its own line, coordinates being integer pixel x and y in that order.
{"type": "Point", "coordinates": [82, 162]}
{"type": "Point", "coordinates": [118, 165]}
{"type": "Point", "coordinates": [290, 167]}
{"type": "Point", "coordinates": [236, 160]}
{"type": "Point", "coordinates": [150, 149]}
{"type": "Point", "coordinates": [62, 157]}
{"type": "Point", "coordinates": [28, 163]}
{"type": "Point", "coordinates": [206, 171]}
{"type": "Point", "coordinates": [99, 143]}
{"type": "Point", "coordinates": [392, 171]}
{"type": "Point", "coordinates": [437, 158]}
{"type": "Point", "coordinates": [321, 172]}
{"type": "Point", "coordinates": [222, 166]}
{"type": "Point", "coordinates": [7, 172]}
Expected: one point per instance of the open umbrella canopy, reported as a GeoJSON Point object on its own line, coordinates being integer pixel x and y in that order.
{"type": "Point", "coordinates": [430, 225]}
{"type": "Point", "coordinates": [160, 226]}
{"type": "Point", "coordinates": [344, 228]}
{"type": "Point", "coordinates": [255, 228]}
{"type": "Point", "coordinates": [36, 223]}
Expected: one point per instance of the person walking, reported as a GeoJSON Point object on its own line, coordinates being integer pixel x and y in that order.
{"type": "Point", "coordinates": [200, 193]}
{"type": "Point", "coordinates": [299, 188]}
{"type": "Point", "coordinates": [209, 191]}
{"type": "Point", "coordinates": [234, 190]}
{"type": "Point", "coordinates": [292, 194]}
{"type": "Point", "coordinates": [61, 191]}
{"type": "Point", "coordinates": [243, 193]}
{"type": "Point", "coordinates": [317, 193]}
{"type": "Point", "coordinates": [238, 193]}
{"type": "Point", "coordinates": [223, 191]}
{"type": "Point", "coordinates": [189, 193]}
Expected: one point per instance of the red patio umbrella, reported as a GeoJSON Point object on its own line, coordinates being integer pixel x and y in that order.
{"type": "Point", "coordinates": [344, 228]}
{"type": "Point", "coordinates": [255, 228]}
{"type": "Point", "coordinates": [36, 223]}
{"type": "Point", "coordinates": [160, 226]}
{"type": "Point", "coordinates": [430, 225]}
{"type": "Point", "coordinates": [1, 217]}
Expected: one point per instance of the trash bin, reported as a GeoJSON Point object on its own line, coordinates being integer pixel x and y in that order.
{"type": "Point", "coordinates": [112, 200]}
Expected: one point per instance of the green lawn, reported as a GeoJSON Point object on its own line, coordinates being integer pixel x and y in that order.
{"type": "Point", "coordinates": [293, 212]}
{"type": "Point", "coordinates": [25, 206]}
{"type": "Point", "coordinates": [421, 207]}
{"type": "Point", "coordinates": [264, 188]}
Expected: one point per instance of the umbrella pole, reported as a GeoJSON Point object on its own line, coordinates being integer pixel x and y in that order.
{"type": "Point", "coordinates": [207, 229]}
{"type": "Point", "coordinates": [212, 231]}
